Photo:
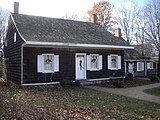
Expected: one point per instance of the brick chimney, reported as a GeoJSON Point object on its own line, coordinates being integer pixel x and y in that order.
{"type": "Point", "coordinates": [94, 18]}
{"type": "Point", "coordinates": [118, 32]}
{"type": "Point", "coordinates": [16, 7]}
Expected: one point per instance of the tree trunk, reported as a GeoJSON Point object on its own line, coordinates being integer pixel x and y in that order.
{"type": "Point", "coordinates": [159, 64]}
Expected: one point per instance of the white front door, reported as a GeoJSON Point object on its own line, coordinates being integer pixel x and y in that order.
{"type": "Point", "coordinates": [80, 66]}
{"type": "Point", "coordinates": [131, 68]}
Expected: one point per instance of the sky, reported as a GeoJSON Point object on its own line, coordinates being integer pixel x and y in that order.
{"type": "Point", "coordinates": [55, 8]}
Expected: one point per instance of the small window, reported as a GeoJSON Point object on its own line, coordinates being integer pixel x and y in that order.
{"type": "Point", "coordinates": [140, 66]}
{"type": "Point", "coordinates": [114, 62]}
{"type": "Point", "coordinates": [150, 65]}
{"type": "Point", "coordinates": [94, 62]}
{"type": "Point", "coordinates": [15, 37]}
{"type": "Point", "coordinates": [48, 63]}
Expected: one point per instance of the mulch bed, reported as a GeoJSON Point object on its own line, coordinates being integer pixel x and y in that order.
{"type": "Point", "coordinates": [128, 83]}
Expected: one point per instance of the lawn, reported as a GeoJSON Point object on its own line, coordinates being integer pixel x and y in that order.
{"type": "Point", "coordinates": [153, 91]}
{"type": "Point", "coordinates": [70, 103]}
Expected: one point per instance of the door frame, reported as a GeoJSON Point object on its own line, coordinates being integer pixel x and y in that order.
{"type": "Point", "coordinates": [132, 67]}
{"type": "Point", "coordinates": [85, 65]}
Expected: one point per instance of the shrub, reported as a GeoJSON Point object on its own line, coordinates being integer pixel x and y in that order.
{"type": "Point", "coordinates": [65, 83]}
{"type": "Point", "coordinates": [118, 84]}
{"type": "Point", "coordinates": [154, 78]}
{"type": "Point", "coordinates": [129, 76]}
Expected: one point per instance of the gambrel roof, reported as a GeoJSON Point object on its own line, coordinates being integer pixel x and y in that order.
{"type": "Point", "coordinates": [44, 29]}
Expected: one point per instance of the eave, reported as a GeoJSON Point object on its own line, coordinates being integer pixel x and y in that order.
{"type": "Point", "coordinates": [74, 45]}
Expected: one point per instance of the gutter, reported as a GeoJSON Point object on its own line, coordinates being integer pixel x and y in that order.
{"type": "Point", "coordinates": [76, 45]}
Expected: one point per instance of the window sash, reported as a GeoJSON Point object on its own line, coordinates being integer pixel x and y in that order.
{"type": "Point", "coordinates": [48, 63]}
{"type": "Point", "coordinates": [94, 61]}
{"type": "Point", "coordinates": [15, 37]}
{"type": "Point", "coordinates": [140, 66]}
{"type": "Point", "coordinates": [97, 64]}
{"type": "Point", "coordinates": [150, 65]}
{"type": "Point", "coordinates": [114, 62]}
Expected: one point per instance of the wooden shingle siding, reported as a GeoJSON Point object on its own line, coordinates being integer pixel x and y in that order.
{"type": "Point", "coordinates": [66, 64]}
{"type": "Point", "coordinates": [12, 54]}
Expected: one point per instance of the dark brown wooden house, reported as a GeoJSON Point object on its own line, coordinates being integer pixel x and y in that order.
{"type": "Point", "coordinates": [41, 50]}
{"type": "Point", "coordinates": [139, 66]}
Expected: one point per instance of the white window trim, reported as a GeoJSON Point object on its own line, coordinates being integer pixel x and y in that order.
{"type": "Point", "coordinates": [150, 65]}
{"type": "Point", "coordinates": [142, 63]}
{"type": "Point", "coordinates": [117, 63]}
{"type": "Point", "coordinates": [15, 37]}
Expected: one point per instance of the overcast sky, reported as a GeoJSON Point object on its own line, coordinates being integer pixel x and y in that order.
{"type": "Point", "coordinates": [54, 8]}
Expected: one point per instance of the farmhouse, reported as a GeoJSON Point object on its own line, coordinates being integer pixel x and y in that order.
{"type": "Point", "coordinates": [40, 50]}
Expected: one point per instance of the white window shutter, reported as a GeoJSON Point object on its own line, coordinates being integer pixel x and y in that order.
{"type": "Point", "coordinates": [119, 62]}
{"type": "Point", "coordinates": [40, 63]}
{"type": "Point", "coordinates": [109, 62]}
{"type": "Point", "coordinates": [138, 66]}
{"type": "Point", "coordinates": [88, 62]}
{"type": "Point", "coordinates": [56, 63]}
{"type": "Point", "coordinates": [100, 62]}
{"type": "Point", "coordinates": [148, 65]}
{"type": "Point", "coordinates": [142, 66]}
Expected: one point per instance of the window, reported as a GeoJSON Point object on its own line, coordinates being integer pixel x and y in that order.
{"type": "Point", "coordinates": [114, 62]}
{"type": "Point", "coordinates": [150, 65]}
{"type": "Point", "coordinates": [140, 66]}
{"type": "Point", "coordinates": [15, 37]}
{"type": "Point", "coordinates": [94, 62]}
{"type": "Point", "coordinates": [48, 63]}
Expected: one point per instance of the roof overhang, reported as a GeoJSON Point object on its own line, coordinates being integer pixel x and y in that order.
{"type": "Point", "coordinates": [141, 60]}
{"type": "Point", "coordinates": [75, 45]}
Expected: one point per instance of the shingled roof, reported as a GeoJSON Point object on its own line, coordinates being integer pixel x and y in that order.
{"type": "Point", "coordinates": [44, 29]}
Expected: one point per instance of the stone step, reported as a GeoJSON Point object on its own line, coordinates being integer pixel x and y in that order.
{"type": "Point", "coordinates": [83, 83]}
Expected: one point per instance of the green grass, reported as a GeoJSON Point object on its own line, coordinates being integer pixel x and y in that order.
{"type": "Point", "coordinates": [71, 103]}
{"type": "Point", "coordinates": [153, 91]}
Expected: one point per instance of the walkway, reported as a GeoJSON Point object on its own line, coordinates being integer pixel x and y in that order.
{"type": "Point", "coordinates": [134, 92]}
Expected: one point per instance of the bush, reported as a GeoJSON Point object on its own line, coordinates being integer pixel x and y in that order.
{"type": "Point", "coordinates": [66, 83]}
{"type": "Point", "coordinates": [154, 78]}
{"type": "Point", "coordinates": [118, 84]}
{"type": "Point", "coordinates": [129, 76]}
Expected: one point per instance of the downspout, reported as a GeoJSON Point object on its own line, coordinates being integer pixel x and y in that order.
{"type": "Point", "coordinates": [145, 68]}
{"type": "Point", "coordinates": [22, 63]}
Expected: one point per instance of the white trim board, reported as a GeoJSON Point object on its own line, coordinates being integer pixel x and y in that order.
{"type": "Point", "coordinates": [22, 62]}
{"type": "Point", "coordinates": [109, 78]}
{"type": "Point", "coordinates": [32, 43]}
{"type": "Point", "coordinates": [34, 84]}
{"type": "Point", "coordinates": [17, 28]}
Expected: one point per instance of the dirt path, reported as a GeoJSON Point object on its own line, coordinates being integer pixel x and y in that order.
{"type": "Point", "coordinates": [134, 92]}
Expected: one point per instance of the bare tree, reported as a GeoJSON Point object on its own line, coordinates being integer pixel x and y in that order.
{"type": "Point", "coordinates": [3, 24]}
{"type": "Point", "coordinates": [125, 17]}
{"type": "Point", "coordinates": [152, 23]}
